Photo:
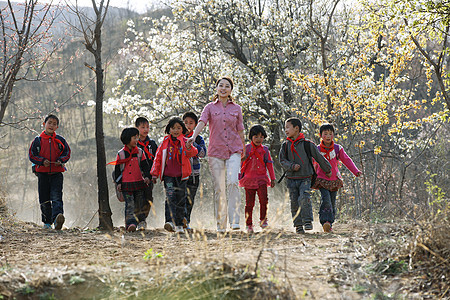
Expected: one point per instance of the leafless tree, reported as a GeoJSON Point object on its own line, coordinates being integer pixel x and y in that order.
{"type": "Point", "coordinates": [26, 45]}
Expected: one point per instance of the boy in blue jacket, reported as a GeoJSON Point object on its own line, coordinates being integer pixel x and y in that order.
{"type": "Point", "coordinates": [49, 152]}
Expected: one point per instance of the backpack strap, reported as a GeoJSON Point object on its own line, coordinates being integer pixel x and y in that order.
{"type": "Point", "coordinates": [337, 148]}
{"type": "Point", "coordinates": [308, 153]}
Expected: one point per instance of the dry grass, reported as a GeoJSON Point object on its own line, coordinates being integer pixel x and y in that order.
{"type": "Point", "coordinates": [429, 254]}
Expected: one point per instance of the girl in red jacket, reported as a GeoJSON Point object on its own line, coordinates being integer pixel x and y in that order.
{"type": "Point", "coordinates": [253, 176]}
{"type": "Point", "coordinates": [172, 166]}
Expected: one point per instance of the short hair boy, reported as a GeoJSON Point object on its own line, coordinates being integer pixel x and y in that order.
{"type": "Point", "coordinates": [299, 170]}
{"type": "Point", "coordinates": [49, 152]}
{"type": "Point", "coordinates": [149, 146]}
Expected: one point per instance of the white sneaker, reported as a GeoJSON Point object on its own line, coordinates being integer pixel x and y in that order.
{"type": "Point", "coordinates": [169, 227]}
{"type": "Point", "coordinates": [235, 226]}
{"type": "Point", "coordinates": [179, 229]}
{"type": "Point", "coordinates": [142, 226]}
{"type": "Point", "coordinates": [221, 230]}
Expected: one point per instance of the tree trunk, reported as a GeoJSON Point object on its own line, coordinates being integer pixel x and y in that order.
{"type": "Point", "coordinates": [104, 209]}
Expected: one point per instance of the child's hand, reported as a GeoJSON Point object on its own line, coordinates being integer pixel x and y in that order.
{"type": "Point", "coordinates": [119, 187]}
{"type": "Point", "coordinates": [189, 143]}
{"type": "Point", "coordinates": [272, 183]}
{"type": "Point", "coordinates": [328, 174]}
{"type": "Point", "coordinates": [58, 163]}
{"type": "Point", "coordinates": [46, 163]}
{"type": "Point", "coordinates": [296, 167]}
{"type": "Point", "coordinates": [154, 180]}
{"type": "Point", "coordinates": [358, 174]}
{"type": "Point", "coordinates": [147, 180]}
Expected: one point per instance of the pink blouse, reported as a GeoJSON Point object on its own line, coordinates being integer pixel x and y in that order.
{"type": "Point", "coordinates": [224, 126]}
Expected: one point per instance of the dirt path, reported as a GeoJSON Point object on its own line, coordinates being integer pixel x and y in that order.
{"type": "Point", "coordinates": [34, 259]}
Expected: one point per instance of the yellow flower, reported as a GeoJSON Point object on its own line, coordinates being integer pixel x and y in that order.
{"type": "Point", "coordinates": [377, 150]}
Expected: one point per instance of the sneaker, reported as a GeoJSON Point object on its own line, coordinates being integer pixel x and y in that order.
{"type": "Point", "coordinates": [250, 229]}
{"type": "Point", "coordinates": [264, 224]}
{"type": "Point", "coordinates": [59, 221]}
{"type": "Point", "coordinates": [47, 226]}
{"type": "Point", "coordinates": [131, 228]}
{"type": "Point", "coordinates": [299, 230]}
{"type": "Point", "coordinates": [179, 229]}
{"type": "Point", "coordinates": [221, 230]}
{"type": "Point", "coordinates": [308, 226]}
{"type": "Point", "coordinates": [235, 226]}
{"type": "Point", "coordinates": [142, 226]}
{"type": "Point", "coordinates": [169, 227]}
{"type": "Point", "coordinates": [326, 227]}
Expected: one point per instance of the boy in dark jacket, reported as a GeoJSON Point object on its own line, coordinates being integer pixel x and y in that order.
{"type": "Point", "coordinates": [149, 147]}
{"type": "Point", "coordinates": [49, 152]}
{"type": "Point", "coordinates": [299, 170]}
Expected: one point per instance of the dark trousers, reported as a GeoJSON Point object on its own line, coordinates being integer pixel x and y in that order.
{"type": "Point", "coordinates": [250, 195]}
{"type": "Point", "coordinates": [327, 211]}
{"type": "Point", "coordinates": [300, 196]}
{"type": "Point", "coordinates": [50, 196]}
{"type": "Point", "coordinates": [143, 208]}
{"type": "Point", "coordinates": [133, 202]}
{"type": "Point", "coordinates": [175, 206]}
{"type": "Point", "coordinates": [191, 191]}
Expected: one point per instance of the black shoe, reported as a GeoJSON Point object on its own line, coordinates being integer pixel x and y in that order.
{"type": "Point", "coordinates": [308, 226]}
{"type": "Point", "coordinates": [299, 230]}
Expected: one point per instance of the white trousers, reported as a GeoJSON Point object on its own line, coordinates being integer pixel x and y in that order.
{"type": "Point", "coordinates": [225, 178]}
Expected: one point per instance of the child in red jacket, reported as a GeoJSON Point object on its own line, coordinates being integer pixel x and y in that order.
{"type": "Point", "coordinates": [49, 152]}
{"type": "Point", "coordinates": [172, 166]}
{"type": "Point", "coordinates": [253, 176]}
{"type": "Point", "coordinates": [130, 176]}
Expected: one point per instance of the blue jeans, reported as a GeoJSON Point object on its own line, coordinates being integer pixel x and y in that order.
{"type": "Point", "coordinates": [50, 196]}
{"type": "Point", "coordinates": [327, 211]}
{"type": "Point", "coordinates": [192, 186]}
{"type": "Point", "coordinates": [300, 195]}
{"type": "Point", "coordinates": [175, 199]}
{"type": "Point", "coordinates": [133, 203]}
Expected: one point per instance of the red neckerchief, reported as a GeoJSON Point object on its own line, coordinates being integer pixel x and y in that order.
{"type": "Point", "coordinates": [126, 159]}
{"type": "Point", "coordinates": [300, 136]}
{"type": "Point", "coordinates": [254, 152]}
{"type": "Point", "coordinates": [189, 134]}
{"type": "Point", "coordinates": [145, 145]}
{"type": "Point", "coordinates": [175, 148]}
{"type": "Point", "coordinates": [45, 136]}
{"type": "Point", "coordinates": [326, 150]}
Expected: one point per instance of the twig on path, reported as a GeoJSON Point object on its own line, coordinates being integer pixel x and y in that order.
{"type": "Point", "coordinates": [91, 219]}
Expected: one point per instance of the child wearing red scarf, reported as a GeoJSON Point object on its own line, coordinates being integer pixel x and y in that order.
{"type": "Point", "coordinates": [129, 173]}
{"type": "Point", "coordinates": [149, 146]}
{"type": "Point", "coordinates": [294, 158]}
{"type": "Point", "coordinates": [49, 152]}
{"type": "Point", "coordinates": [172, 166]}
{"type": "Point", "coordinates": [253, 176]}
{"type": "Point", "coordinates": [190, 119]}
{"type": "Point", "coordinates": [329, 185]}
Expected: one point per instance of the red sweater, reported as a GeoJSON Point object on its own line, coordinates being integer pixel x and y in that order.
{"type": "Point", "coordinates": [255, 166]}
{"type": "Point", "coordinates": [160, 162]}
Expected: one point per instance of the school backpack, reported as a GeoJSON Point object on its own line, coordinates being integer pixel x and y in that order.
{"type": "Point", "coordinates": [121, 154]}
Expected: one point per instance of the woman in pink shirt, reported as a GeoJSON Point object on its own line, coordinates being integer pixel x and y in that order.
{"type": "Point", "coordinates": [329, 186]}
{"type": "Point", "coordinates": [226, 144]}
{"type": "Point", "coordinates": [254, 176]}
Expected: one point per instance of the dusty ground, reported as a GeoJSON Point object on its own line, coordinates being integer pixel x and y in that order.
{"type": "Point", "coordinates": [76, 264]}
